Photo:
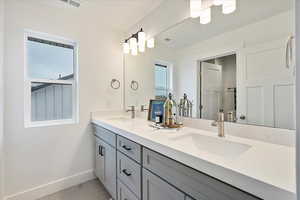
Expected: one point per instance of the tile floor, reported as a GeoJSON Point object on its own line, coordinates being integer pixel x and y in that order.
{"type": "Point", "coordinates": [91, 190]}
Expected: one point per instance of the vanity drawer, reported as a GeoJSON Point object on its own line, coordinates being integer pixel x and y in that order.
{"type": "Point", "coordinates": [129, 173]}
{"type": "Point", "coordinates": [124, 193]}
{"type": "Point", "coordinates": [131, 149]}
{"type": "Point", "coordinates": [105, 135]}
{"type": "Point", "coordinates": [192, 182]}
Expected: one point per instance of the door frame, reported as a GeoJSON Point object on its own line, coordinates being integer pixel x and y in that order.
{"type": "Point", "coordinates": [201, 87]}
{"type": "Point", "coordinates": [210, 56]}
{"type": "Point", "coordinates": [169, 66]}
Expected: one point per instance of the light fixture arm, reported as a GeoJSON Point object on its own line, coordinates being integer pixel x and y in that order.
{"type": "Point", "coordinates": [137, 42]}
{"type": "Point", "coordinates": [135, 35]}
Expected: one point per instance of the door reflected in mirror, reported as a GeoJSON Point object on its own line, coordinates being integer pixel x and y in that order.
{"type": "Point", "coordinates": [218, 88]}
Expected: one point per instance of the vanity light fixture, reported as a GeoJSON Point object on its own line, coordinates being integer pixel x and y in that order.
{"type": "Point", "coordinates": [202, 8]}
{"type": "Point", "coordinates": [205, 16]}
{"type": "Point", "coordinates": [218, 2]}
{"type": "Point", "coordinates": [134, 52]}
{"type": "Point", "coordinates": [151, 43]}
{"type": "Point", "coordinates": [133, 43]}
{"type": "Point", "coordinates": [195, 8]}
{"type": "Point", "coordinates": [142, 41]}
{"type": "Point", "coordinates": [137, 43]}
{"type": "Point", "coordinates": [126, 47]}
{"type": "Point", "coordinates": [229, 6]}
{"type": "Point", "coordinates": [133, 46]}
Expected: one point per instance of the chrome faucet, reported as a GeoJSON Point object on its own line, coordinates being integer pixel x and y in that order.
{"type": "Point", "coordinates": [220, 124]}
{"type": "Point", "coordinates": [143, 108]}
{"type": "Point", "coordinates": [132, 110]}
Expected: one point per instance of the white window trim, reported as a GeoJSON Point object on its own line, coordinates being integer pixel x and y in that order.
{"type": "Point", "coordinates": [169, 74]}
{"type": "Point", "coordinates": [27, 83]}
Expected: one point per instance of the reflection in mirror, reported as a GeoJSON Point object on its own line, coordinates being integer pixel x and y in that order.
{"type": "Point", "coordinates": [161, 81]}
{"type": "Point", "coordinates": [240, 63]}
{"type": "Point", "coordinates": [217, 88]}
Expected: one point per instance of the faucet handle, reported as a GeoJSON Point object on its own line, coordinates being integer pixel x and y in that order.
{"type": "Point", "coordinates": [214, 123]}
{"type": "Point", "coordinates": [143, 108]}
{"type": "Point", "coordinates": [132, 108]}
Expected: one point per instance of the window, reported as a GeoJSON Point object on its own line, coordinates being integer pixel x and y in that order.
{"type": "Point", "coordinates": [50, 80]}
{"type": "Point", "coordinates": [161, 81]}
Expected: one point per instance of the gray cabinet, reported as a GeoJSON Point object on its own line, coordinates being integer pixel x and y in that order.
{"type": "Point", "coordinates": [105, 168]}
{"type": "Point", "coordinates": [155, 188]}
{"type": "Point", "coordinates": [129, 148]}
{"type": "Point", "coordinates": [159, 177]}
{"type": "Point", "coordinates": [124, 193]}
{"type": "Point", "coordinates": [129, 172]}
{"type": "Point", "coordinates": [106, 135]}
{"type": "Point", "coordinates": [189, 198]}
{"type": "Point", "coordinates": [194, 183]}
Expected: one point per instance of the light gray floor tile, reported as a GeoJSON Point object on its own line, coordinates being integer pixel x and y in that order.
{"type": "Point", "coordinates": [92, 190]}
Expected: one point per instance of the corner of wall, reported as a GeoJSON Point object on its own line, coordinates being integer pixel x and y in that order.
{"type": "Point", "coordinates": [1, 98]}
{"type": "Point", "coordinates": [298, 98]}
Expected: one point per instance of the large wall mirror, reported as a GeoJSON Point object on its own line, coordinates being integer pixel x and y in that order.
{"type": "Point", "coordinates": [242, 63]}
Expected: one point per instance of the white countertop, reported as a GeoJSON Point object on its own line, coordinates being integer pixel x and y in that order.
{"type": "Point", "coordinates": [263, 169]}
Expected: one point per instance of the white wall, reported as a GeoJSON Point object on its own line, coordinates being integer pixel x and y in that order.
{"type": "Point", "coordinates": [298, 96]}
{"type": "Point", "coordinates": [38, 156]}
{"type": "Point", "coordinates": [1, 96]}
{"type": "Point", "coordinates": [170, 12]}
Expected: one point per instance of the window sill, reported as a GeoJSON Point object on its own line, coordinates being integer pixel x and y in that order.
{"type": "Point", "coordinates": [50, 123]}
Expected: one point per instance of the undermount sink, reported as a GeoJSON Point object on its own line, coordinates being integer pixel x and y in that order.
{"type": "Point", "coordinates": [217, 146]}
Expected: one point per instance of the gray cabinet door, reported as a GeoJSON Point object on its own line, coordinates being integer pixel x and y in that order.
{"type": "Point", "coordinates": [188, 198]}
{"type": "Point", "coordinates": [105, 135]}
{"type": "Point", "coordinates": [124, 193]}
{"type": "Point", "coordinates": [155, 188]}
{"type": "Point", "coordinates": [100, 161]}
{"type": "Point", "coordinates": [129, 172]}
{"type": "Point", "coordinates": [106, 166]}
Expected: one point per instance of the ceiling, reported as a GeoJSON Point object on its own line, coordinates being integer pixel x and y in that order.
{"type": "Point", "coordinates": [118, 14]}
{"type": "Point", "coordinates": [191, 31]}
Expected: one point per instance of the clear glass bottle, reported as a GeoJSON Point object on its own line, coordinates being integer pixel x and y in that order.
{"type": "Point", "coordinates": [170, 111]}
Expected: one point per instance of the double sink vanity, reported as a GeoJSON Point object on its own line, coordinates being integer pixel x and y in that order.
{"type": "Point", "coordinates": [136, 161]}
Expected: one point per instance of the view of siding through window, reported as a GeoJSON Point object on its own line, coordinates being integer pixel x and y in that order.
{"type": "Point", "coordinates": [51, 71]}
{"type": "Point", "coordinates": [161, 81]}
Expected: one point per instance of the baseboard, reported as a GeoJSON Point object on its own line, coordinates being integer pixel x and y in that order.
{"type": "Point", "coordinates": [53, 187]}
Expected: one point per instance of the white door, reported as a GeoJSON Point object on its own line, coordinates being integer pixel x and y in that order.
{"type": "Point", "coordinates": [265, 86]}
{"type": "Point", "coordinates": [211, 90]}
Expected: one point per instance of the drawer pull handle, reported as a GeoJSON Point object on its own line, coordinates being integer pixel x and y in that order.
{"type": "Point", "coordinates": [101, 150]}
{"type": "Point", "coordinates": [126, 173]}
{"type": "Point", "coordinates": [126, 148]}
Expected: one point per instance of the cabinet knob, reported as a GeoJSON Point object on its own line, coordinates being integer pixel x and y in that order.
{"type": "Point", "coordinates": [242, 117]}
{"type": "Point", "coordinates": [126, 172]}
{"type": "Point", "coordinates": [126, 148]}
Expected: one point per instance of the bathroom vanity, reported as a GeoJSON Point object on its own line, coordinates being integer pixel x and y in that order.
{"type": "Point", "coordinates": [135, 161]}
